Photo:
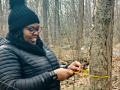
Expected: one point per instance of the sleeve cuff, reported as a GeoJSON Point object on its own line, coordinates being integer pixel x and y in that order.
{"type": "Point", "coordinates": [67, 66]}
{"type": "Point", "coordinates": [47, 78]}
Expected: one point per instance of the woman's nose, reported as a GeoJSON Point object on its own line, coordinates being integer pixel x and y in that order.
{"type": "Point", "coordinates": [36, 33]}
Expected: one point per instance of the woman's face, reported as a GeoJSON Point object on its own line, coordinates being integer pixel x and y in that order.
{"type": "Point", "coordinates": [31, 33]}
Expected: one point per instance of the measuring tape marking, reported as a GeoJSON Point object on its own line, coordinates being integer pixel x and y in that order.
{"type": "Point", "coordinates": [88, 74]}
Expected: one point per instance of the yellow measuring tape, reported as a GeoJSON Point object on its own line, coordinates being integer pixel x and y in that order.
{"type": "Point", "coordinates": [88, 74]}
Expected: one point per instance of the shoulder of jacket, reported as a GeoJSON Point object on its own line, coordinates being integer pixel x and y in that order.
{"type": "Point", "coordinates": [10, 48]}
{"type": "Point", "coordinates": [7, 46]}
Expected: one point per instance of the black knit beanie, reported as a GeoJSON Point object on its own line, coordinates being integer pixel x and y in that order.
{"type": "Point", "coordinates": [20, 15]}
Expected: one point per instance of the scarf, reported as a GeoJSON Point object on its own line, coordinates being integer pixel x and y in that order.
{"type": "Point", "coordinates": [26, 46]}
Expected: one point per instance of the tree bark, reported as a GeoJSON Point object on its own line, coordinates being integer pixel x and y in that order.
{"type": "Point", "coordinates": [59, 30]}
{"type": "Point", "coordinates": [45, 24]}
{"type": "Point", "coordinates": [117, 12]}
{"type": "Point", "coordinates": [79, 36]}
{"type": "Point", "coordinates": [73, 27]}
{"type": "Point", "coordinates": [7, 7]}
{"type": "Point", "coordinates": [90, 18]}
{"type": "Point", "coordinates": [55, 21]}
{"type": "Point", "coordinates": [1, 19]}
{"type": "Point", "coordinates": [101, 45]}
{"type": "Point", "coordinates": [36, 6]}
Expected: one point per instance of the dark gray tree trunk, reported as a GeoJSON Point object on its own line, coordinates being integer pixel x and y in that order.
{"type": "Point", "coordinates": [79, 35]}
{"type": "Point", "coordinates": [1, 19]}
{"type": "Point", "coordinates": [45, 24]}
{"type": "Point", "coordinates": [59, 30]}
{"type": "Point", "coordinates": [73, 26]}
{"type": "Point", "coordinates": [101, 45]}
{"type": "Point", "coordinates": [56, 22]}
{"type": "Point", "coordinates": [6, 21]}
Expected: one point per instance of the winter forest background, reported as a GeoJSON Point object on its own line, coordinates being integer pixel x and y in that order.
{"type": "Point", "coordinates": [67, 30]}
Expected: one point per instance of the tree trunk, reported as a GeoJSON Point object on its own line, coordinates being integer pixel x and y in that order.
{"type": "Point", "coordinates": [59, 30]}
{"type": "Point", "coordinates": [73, 27]}
{"type": "Point", "coordinates": [86, 15]}
{"type": "Point", "coordinates": [1, 19]}
{"type": "Point", "coordinates": [117, 12]}
{"type": "Point", "coordinates": [89, 18]}
{"type": "Point", "coordinates": [79, 36]}
{"type": "Point", "coordinates": [72, 33]}
{"type": "Point", "coordinates": [6, 21]}
{"type": "Point", "coordinates": [101, 45]}
{"type": "Point", "coordinates": [55, 21]}
{"type": "Point", "coordinates": [45, 24]}
{"type": "Point", "coordinates": [36, 5]}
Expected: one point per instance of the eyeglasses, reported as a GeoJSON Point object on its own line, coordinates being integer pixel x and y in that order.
{"type": "Point", "coordinates": [33, 30]}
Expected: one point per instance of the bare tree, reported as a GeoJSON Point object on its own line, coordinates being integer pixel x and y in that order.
{"type": "Point", "coordinates": [1, 18]}
{"type": "Point", "coordinates": [7, 13]}
{"type": "Point", "coordinates": [117, 10]}
{"type": "Point", "coordinates": [45, 24]}
{"type": "Point", "coordinates": [73, 27]}
{"type": "Point", "coordinates": [79, 35]}
{"type": "Point", "coordinates": [101, 45]}
{"type": "Point", "coordinates": [87, 20]}
{"type": "Point", "coordinates": [56, 20]}
{"type": "Point", "coordinates": [36, 5]}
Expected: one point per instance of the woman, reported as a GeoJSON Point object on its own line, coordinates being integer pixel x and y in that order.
{"type": "Point", "coordinates": [25, 62]}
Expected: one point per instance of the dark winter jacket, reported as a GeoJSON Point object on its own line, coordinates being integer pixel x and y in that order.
{"type": "Point", "coordinates": [23, 70]}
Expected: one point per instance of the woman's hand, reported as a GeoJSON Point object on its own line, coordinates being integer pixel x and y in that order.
{"type": "Point", "coordinates": [75, 66]}
{"type": "Point", "coordinates": [63, 73]}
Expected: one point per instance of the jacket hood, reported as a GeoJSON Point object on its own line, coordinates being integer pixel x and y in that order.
{"type": "Point", "coordinates": [4, 41]}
